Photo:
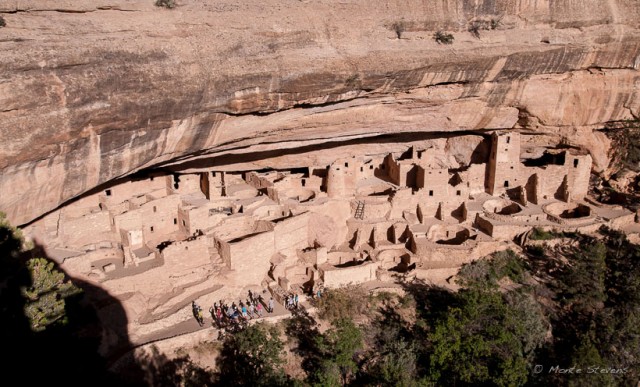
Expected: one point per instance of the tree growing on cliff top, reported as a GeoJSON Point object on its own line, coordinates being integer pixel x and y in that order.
{"type": "Point", "coordinates": [442, 37]}
{"type": "Point", "coordinates": [166, 3]}
{"type": "Point", "coordinates": [399, 28]}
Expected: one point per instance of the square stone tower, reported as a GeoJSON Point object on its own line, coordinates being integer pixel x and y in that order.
{"type": "Point", "coordinates": [504, 163]}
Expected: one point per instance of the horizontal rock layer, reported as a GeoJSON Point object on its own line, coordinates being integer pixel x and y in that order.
{"type": "Point", "coordinates": [93, 90]}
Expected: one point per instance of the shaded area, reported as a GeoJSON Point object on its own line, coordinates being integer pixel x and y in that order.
{"type": "Point", "coordinates": [65, 352]}
{"type": "Point", "coordinates": [461, 237]}
{"type": "Point", "coordinates": [510, 209]}
{"type": "Point", "coordinates": [592, 284]}
{"type": "Point", "coordinates": [579, 211]}
{"type": "Point", "coordinates": [547, 158]}
{"type": "Point", "coordinates": [303, 329]}
{"type": "Point", "coordinates": [211, 160]}
{"type": "Point", "coordinates": [354, 262]}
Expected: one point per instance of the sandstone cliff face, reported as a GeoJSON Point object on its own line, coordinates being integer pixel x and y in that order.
{"type": "Point", "coordinates": [92, 90]}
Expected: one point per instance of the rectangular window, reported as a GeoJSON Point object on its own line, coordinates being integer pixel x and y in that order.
{"type": "Point", "coordinates": [370, 166]}
{"type": "Point", "coordinates": [361, 169]}
{"type": "Point", "coordinates": [304, 182]}
{"type": "Point", "coordinates": [431, 193]}
{"type": "Point", "coordinates": [346, 164]}
{"type": "Point", "coordinates": [508, 139]}
{"type": "Point", "coordinates": [175, 221]}
{"type": "Point", "coordinates": [575, 163]}
{"type": "Point", "coordinates": [108, 192]}
{"type": "Point", "coordinates": [155, 209]}
{"type": "Point", "coordinates": [184, 223]}
{"type": "Point", "coordinates": [151, 228]}
{"type": "Point", "coordinates": [458, 193]}
{"type": "Point", "coordinates": [506, 183]}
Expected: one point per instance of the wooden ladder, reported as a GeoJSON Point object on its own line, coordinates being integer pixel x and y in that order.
{"type": "Point", "coordinates": [359, 210]}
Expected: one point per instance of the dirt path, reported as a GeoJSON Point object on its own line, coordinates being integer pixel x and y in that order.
{"type": "Point", "coordinates": [192, 325]}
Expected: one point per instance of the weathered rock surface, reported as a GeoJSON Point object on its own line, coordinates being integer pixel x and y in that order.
{"type": "Point", "coordinates": [95, 90]}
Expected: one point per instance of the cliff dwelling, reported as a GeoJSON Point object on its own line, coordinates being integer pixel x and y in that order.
{"type": "Point", "coordinates": [436, 176]}
{"type": "Point", "coordinates": [161, 240]}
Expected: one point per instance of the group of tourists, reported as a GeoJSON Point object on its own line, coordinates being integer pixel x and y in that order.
{"type": "Point", "coordinates": [316, 292]}
{"type": "Point", "coordinates": [291, 301]}
{"type": "Point", "coordinates": [235, 316]}
{"type": "Point", "coordinates": [197, 313]}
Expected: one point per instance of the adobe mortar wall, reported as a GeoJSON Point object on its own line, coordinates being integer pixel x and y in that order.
{"type": "Point", "coordinates": [188, 253]}
{"type": "Point", "coordinates": [250, 257]}
{"type": "Point", "coordinates": [292, 234]}
{"type": "Point", "coordinates": [336, 277]}
{"type": "Point", "coordinates": [79, 231]}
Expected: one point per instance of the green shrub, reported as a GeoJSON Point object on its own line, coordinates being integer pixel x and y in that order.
{"type": "Point", "coordinates": [166, 3]}
{"type": "Point", "coordinates": [344, 303]}
{"type": "Point", "coordinates": [408, 300]}
{"type": "Point", "coordinates": [384, 296]}
{"type": "Point", "coordinates": [474, 28]}
{"type": "Point", "coordinates": [442, 37]}
{"type": "Point", "coordinates": [482, 25]}
{"type": "Point", "coordinates": [538, 234]}
{"type": "Point", "coordinates": [399, 27]}
{"type": "Point", "coordinates": [485, 273]}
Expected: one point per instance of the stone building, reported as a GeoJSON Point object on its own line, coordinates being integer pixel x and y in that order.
{"type": "Point", "coordinates": [161, 240]}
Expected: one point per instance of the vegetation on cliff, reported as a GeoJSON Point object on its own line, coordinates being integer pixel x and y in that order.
{"type": "Point", "coordinates": [516, 320]}
{"type": "Point", "coordinates": [442, 37]}
{"type": "Point", "coordinates": [42, 322]}
{"type": "Point", "coordinates": [166, 3]}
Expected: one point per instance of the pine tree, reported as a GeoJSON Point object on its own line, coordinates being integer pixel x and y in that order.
{"type": "Point", "coordinates": [45, 303]}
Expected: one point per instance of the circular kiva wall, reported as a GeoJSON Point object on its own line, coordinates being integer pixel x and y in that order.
{"type": "Point", "coordinates": [568, 212]}
{"type": "Point", "coordinates": [448, 234]}
{"type": "Point", "coordinates": [501, 207]}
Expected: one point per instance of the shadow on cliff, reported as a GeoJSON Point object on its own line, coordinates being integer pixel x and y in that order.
{"type": "Point", "coordinates": [479, 154]}
{"type": "Point", "coordinates": [67, 351]}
